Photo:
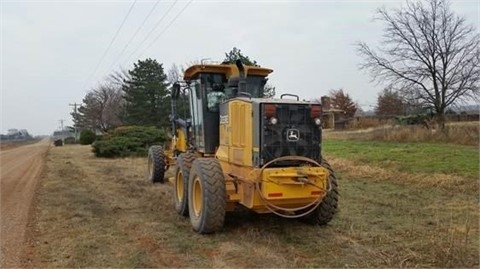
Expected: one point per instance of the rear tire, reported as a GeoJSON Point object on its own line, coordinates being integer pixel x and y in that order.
{"type": "Point", "coordinates": [324, 213]}
{"type": "Point", "coordinates": [156, 164]}
{"type": "Point", "coordinates": [180, 185]}
{"type": "Point", "coordinates": [206, 196]}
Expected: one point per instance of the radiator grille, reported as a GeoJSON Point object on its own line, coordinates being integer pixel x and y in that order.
{"type": "Point", "coordinates": [295, 134]}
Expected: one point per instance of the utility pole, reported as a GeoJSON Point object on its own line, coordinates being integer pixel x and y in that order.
{"type": "Point", "coordinates": [61, 124]}
{"type": "Point", "coordinates": [75, 113]}
{"type": "Point", "coordinates": [61, 130]}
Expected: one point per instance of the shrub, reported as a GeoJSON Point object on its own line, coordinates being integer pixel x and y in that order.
{"type": "Point", "coordinates": [87, 137]}
{"type": "Point", "coordinates": [69, 140]}
{"type": "Point", "coordinates": [128, 141]}
{"type": "Point", "coordinates": [58, 143]}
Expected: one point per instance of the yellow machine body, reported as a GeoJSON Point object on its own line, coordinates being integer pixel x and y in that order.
{"type": "Point", "coordinates": [229, 70]}
{"type": "Point", "coordinates": [288, 187]}
{"type": "Point", "coordinates": [236, 147]}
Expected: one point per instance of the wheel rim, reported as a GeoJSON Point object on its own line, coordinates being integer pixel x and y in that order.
{"type": "Point", "coordinates": [179, 186]}
{"type": "Point", "coordinates": [197, 196]}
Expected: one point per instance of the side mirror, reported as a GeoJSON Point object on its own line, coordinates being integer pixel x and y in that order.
{"type": "Point", "coordinates": [175, 90]}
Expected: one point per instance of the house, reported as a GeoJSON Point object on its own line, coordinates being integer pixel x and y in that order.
{"type": "Point", "coordinates": [332, 118]}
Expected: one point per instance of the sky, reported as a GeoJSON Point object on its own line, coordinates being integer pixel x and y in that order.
{"type": "Point", "coordinates": [54, 52]}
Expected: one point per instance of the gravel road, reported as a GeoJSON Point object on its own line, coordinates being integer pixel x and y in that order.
{"type": "Point", "coordinates": [20, 170]}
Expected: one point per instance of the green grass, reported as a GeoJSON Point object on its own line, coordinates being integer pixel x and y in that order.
{"type": "Point", "coordinates": [409, 157]}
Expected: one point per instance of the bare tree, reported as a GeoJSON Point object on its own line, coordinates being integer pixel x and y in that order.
{"type": "Point", "coordinates": [174, 74]}
{"type": "Point", "coordinates": [101, 109]}
{"type": "Point", "coordinates": [428, 54]}
{"type": "Point", "coordinates": [118, 78]}
{"type": "Point", "coordinates": [111, 101]}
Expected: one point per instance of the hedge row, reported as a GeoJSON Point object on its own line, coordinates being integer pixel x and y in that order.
{"type": "Point", "coordinates": [87, 137]}
{"type": "Point", "coordinates": [128, 141]}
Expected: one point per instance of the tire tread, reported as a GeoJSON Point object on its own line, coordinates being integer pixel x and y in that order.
{"type": "Point", "coordinates": [157, 155]}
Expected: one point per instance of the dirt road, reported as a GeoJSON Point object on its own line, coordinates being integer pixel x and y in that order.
{"type": "Point", "coordinates": [20, 170]}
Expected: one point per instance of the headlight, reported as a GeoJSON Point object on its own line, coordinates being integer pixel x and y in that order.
{"type": "Point", "coordinates": [317, 121]}
{"type": "Point", "coordinates": [273, 121]}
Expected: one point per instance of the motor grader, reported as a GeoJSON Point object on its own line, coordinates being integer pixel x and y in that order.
{"type": "Point", "coordinates": [260, 153]}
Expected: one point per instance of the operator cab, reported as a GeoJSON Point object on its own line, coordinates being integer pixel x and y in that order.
{"type": "Point", "coordinates": [211, 85]}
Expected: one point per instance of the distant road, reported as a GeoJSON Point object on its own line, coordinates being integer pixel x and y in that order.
{"type": "Point", "coordinates": [20, 169]}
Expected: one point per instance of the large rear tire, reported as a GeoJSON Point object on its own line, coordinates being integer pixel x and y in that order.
{"type": "Point", "coordinates": [180, 184]}
{"type": "Point", "coordinates": [206, 196]}
{"type": "Point", "coordinates": [156, 164]}
{"type": "Point", "coordinates": [324, 213]}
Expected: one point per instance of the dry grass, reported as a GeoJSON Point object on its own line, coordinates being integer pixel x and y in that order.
{"type": "Point", "coordinates": [462, 133]}
{"type": "Point", "coordinates": [102, 213]}
{"type": "Point", "coordinates": [449, 182]}
{"type": "Point", "coordinates": [370, 122]}
{"type": "Point", "coordinates": [6, 145]}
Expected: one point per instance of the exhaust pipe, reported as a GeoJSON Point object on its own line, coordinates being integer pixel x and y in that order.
{"type": "Point", "coordinates": [239, 84]}
{"type": "Point", "coordinates": [241, 69]}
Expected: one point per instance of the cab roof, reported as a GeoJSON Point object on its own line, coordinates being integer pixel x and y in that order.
{"type": "Point", "coordinates": [230, 70]}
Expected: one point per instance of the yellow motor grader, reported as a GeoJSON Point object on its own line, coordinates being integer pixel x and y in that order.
{"type": "Point", "coordinates": [237, 147]}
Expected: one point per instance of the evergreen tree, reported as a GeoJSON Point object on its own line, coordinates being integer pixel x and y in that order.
{"type": "Point", "coordinates": [146, 94]}
{"type": "Point", "coordinates": [235, 54]}
{"type": "Point", "coordinates": [389, 103]}
{"type": "Point", "coordinates": [268, 91]}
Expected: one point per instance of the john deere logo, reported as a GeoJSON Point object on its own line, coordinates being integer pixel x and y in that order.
{"type": "Point", "coordinates": [293, 135]}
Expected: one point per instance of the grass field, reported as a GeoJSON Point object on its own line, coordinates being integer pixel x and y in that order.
{"type": "Point", "coordinates": [409, 157]}
{"type": "Point", "coordinates": [103, 213]}
{"type": "Point", "coordinates": [457, 133]}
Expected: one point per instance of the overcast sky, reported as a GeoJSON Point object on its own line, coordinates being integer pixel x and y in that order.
{"type": "Point", "coordinates": [52, 52]}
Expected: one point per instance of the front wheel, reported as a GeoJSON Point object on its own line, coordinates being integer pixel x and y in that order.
{"type": "Point", "coordinates": [156, 164]}
{"type": "Point", "coordinates": [206, 196]}
{"type": "Point", "coordinates": [325, 211]}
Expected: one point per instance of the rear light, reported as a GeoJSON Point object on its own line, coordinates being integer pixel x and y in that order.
{"type": "Point", "coordinates": [275, 194]}
{"type": "Point", "coordinates": [315, 111]}
{"type": "Point", "coordinates": [270, 110]}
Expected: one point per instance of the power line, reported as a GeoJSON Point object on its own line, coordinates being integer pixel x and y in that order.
{"type": "Point", "coordinates": [111, 42]}
{"type": "Point", "coordinates": [168, 26]}
{"type": "Point", "coordinates": [135, 34]}
{"type": "Point", "coordinates": [153, 29]}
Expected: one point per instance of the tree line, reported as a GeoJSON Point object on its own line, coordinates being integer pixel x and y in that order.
{"type": "Point", "coordinates": [430, 57]}
{"type": "Point", "coordinates": [140, 96]}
